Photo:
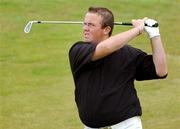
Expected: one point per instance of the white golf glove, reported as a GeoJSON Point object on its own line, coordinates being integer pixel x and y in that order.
{"type": "Point", "coordinates": [152, 31]}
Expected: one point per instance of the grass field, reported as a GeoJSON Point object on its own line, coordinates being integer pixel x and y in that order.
{"type": "Point", "coordinates": [36, 86]}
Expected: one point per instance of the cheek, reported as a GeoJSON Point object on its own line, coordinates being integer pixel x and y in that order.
{"type": "Point", "coordinates": [98, 33]}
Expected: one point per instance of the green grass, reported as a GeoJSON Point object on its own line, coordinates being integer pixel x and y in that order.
{"type": "Point", "coordinates": [36, 86]}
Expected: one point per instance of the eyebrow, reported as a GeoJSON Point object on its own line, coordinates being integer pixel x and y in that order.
{"type": "Point", "coordinates": [89, 24]}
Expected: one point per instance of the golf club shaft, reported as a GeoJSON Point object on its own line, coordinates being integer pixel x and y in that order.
{"type": "Point", "coordinates": [81, 22]}
{"type": "Point", "coordinates": [76, 22]}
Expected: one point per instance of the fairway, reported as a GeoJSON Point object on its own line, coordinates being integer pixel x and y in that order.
{"type": "Point", "coordinates": [36, 84]}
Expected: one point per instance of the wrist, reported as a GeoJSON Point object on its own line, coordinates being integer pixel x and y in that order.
{"type": "Point", "coordinates": [154, 33]}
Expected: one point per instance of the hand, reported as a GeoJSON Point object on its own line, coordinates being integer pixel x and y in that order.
{"type": "Point", "coordinates": [139, 23]}
{"type": "Point", "coordinates": [152, 31]}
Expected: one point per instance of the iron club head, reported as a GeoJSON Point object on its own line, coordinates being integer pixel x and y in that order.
{"type": "Point", "coordinates": [28, 26]}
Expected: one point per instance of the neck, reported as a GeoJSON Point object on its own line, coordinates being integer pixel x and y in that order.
{"type": "Point", "coordinates": [103, 38]}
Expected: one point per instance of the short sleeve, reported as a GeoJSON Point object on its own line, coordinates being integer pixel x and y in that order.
{"type": "Point", "coordinates": [145, 68]}
{"type": "Point", "coordinates": [80, 54]}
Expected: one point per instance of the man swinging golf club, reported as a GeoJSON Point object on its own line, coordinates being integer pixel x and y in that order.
{"type": "Point", "coordinates": [104, 68]}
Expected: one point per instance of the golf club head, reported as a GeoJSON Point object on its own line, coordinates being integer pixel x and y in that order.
{"type": "Point", "coordinates": [28, 27]}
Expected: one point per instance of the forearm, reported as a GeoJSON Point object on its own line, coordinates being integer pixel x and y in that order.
{"type": "Point", "coordinates": [159, 56]}
{"type": "Point", "coordinates": [115, 42]}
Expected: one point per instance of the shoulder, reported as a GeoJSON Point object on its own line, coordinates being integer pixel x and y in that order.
{"type": "Point", "coordinates": [80, 44]}
{"type": "Point", "coordinates": [81, 49]}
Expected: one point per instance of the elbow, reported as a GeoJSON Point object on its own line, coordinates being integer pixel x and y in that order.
{"type": "Point", "coordinates": [162, 72]}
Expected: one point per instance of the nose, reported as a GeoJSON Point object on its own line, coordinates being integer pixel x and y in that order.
{"type": "Point", "coordinates": [85, 27]}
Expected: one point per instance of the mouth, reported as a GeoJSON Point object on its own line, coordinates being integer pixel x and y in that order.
{"type": "Point", "coordinates": [86, 35]}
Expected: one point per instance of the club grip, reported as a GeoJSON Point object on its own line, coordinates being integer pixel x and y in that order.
{"type": "Point", "coordinates": [127, 23]}
{"type": "Point", "coordinates": [130, 24]}
{"type": "Point", "coordinates": [155, 25]}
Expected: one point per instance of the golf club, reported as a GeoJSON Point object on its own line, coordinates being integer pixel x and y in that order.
{"type": "Point", "coordinates": [28, 27]}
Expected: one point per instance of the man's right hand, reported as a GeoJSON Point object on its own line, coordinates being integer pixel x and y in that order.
{"type": "Point", "coordinates": [139, 24]}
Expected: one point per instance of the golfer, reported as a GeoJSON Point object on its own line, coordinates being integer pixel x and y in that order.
{"type": "Point", "coordinates": [104, 69]}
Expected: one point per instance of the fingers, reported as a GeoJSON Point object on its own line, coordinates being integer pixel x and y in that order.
{"type": "Point", "coordinates": [145, 18]}
{"type": "Point", "coordinates": [151, 23]}
{"type": "Point", "coordinates": [138, 21]}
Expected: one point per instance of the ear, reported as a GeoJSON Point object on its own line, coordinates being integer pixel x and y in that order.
{"type": "Point", "coordinates": [107, 29]}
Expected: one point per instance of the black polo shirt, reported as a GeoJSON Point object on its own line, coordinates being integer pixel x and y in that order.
{"type": "Point", "coordinates": [104, 89]}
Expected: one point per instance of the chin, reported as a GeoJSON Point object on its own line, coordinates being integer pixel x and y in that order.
{"type": "Point", "coordinates": [90, 40]}
{"type": "Point", "coordinates": [87, 40]}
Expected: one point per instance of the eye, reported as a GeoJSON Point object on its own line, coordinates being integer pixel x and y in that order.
{"type": "Point", "coordinates": [89, 24]}
{"type": "Point", "coordinates": [84, 24]}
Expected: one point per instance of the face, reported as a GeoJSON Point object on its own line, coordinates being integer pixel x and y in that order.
{"type": "Point", "coordinates": [92, 30]}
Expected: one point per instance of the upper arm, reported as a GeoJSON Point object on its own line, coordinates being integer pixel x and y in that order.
{"type": "Point", "coordinates": [100, 52]}
{"type": "Point", "coordinates": [145, 68]}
